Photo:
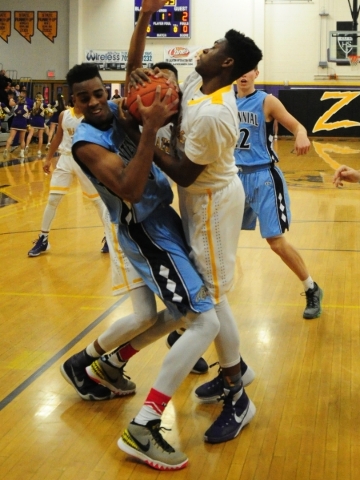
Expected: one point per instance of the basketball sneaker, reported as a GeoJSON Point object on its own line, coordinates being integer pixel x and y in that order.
{"type": "Point", "coordinates": [146, 443]}
{"type": "Point", "coordinates": [21, 154]}
{"type": "Point", "coordinates": [5, 154]}
{"type": "Point", "coordinates": [105, 247]}
{"type": "Point", "coordinates": [26, 151]}
{"type": "Point", "coordinates": [237, 412]}
{"type": "Point", "coordinates": [73, 370]}
{"type": "Point", "coordinates": [200, 366]}
{"type": "Point", "coordinates": [313, 302]}
{"type": "Point", "coordinates": [103, 372]}
{"type": "Point", "coordinates": [210, 392]}
{"type": "Point", "coordinates": [41, 245]}
{"type": "Point", "coordinates": [47, 146]}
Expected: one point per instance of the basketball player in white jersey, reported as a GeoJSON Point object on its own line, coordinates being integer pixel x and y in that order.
{"type": "Point", "coordinates": [210, 193]}
{"type": "Point", "coordinates": [62, 178]}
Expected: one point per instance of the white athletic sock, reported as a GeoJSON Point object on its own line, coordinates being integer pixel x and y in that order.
{"type": "Point", "coordinates": [146, 414]}
{"type": "Point", "coordinates": [308, 283]}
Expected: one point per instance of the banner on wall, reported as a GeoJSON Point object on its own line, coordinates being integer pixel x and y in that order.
{"type": "Point", "coordinates": [182, 56]}
{"type": "Point", "coordinates": [5, 25]}
{"type": "Point", "coordinates": [24, 24]}
{"type": "Point", "coordinates": [114, 59]}
{"type": "Point", "coordinates": [47, 23]}
{"type": "Point", "coordinates": [333, 113]}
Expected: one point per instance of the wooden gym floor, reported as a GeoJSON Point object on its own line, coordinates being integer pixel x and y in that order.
{"type": "Point", "coordinates": [306, 390]}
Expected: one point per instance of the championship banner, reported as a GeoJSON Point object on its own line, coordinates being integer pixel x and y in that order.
{"type": "Point", "coordinates": [182, 56]}
{"type": "Point", "coordinates": [114, 59]}
{"type": "Point", "coordinates": [5, 25]}
{"type": "Point", "coordinates": [47, 24]}
{"type": "Point", "coordinates": [24, 24]}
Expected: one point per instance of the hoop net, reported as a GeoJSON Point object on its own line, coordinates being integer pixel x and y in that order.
{"type": "Point", "coordinates": [354, 61]}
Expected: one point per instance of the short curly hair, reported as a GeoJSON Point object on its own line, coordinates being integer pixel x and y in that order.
{"type": "Point", "coordinates": [82, 72]}
{"type": "Point", "coordinates": [244, 51]}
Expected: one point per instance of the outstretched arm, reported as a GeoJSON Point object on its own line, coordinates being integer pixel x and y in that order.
{"type": "Point", "coordinates": [346, 174]}
{"type": "Point", "coordinates": [274, 109]}
{"type": "Point", "coordinates": [138, 39]}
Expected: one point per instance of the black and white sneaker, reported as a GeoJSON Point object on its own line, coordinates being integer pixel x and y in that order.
{"type": "Point", "coordinates": [41, 245]}
{"type": "Point", "coordinates": [313, 302]}
{"type": "Point", "coordinates": [237, 412]}
{"type": "Point", "coordinates": [73, 370]}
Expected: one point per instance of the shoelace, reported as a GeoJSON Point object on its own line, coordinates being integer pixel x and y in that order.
{"type": "Point", "coordinates": [38, 240]}
{"type": "Point", "coordinates": [155, 431]}
{"type": "Point", "coordinates": [227, 411]}
{"type": "Point", "coordinates": [123, 372]}
{"type": "Point", "coordinates": [311, 299]}
{"type": "Point", "coordinates": [105, 358]}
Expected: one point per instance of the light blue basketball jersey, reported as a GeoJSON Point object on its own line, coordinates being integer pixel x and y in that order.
{"type": "Point", "coordinates": [150, 232]}
{"type": "Point", "coordinates": [266, 193]}
{"type": "Point", "coordinates": [254, 146]}
{"type": "Point", "coordinates": [157, 190]}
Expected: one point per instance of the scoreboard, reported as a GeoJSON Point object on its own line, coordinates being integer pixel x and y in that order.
{"type": "Point", "coordinates": [171, 21]}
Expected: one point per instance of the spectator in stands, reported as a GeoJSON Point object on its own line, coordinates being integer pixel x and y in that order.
{"type": "Point", "coordinates": [13, 90]}
{"type": "Point", "coordinates": [116, 95]}
{"type": "Point", "coordinates": [4, 81]}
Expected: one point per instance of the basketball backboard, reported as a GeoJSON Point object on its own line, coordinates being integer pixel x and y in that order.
{"type": "Point", "coordinates": [343, 43]}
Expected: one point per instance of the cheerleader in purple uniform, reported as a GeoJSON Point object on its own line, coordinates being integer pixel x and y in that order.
{"type": "Point", "coordinates": [37, 121]}
{"type": "Point", "coordinates": [57, 107]}
{"type": "Point", "coordinates": [19, 124]}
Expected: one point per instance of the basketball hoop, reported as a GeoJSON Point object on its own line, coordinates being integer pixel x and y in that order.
{"type": "Point", "coordinates": [354, 61]}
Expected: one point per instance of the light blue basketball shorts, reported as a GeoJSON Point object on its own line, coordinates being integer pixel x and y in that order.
{"type": "Point", "coordinates": [266, 199]}
{"type": "Point", "coordinates": [157, 249]}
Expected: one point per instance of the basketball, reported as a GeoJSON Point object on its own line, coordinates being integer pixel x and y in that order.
{"type": "Point", "coordinates": [147, 95]}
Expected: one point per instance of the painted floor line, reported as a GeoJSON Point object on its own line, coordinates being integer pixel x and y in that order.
{"type": "Point", "coordinates": [16, 392]}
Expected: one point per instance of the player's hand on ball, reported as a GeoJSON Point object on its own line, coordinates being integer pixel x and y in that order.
{"type": "Point", "coordinates": [140, 76]}
{"type": "Point", "coordinates": [160, 111]}
{"type": "Point", "coordinates": [169, 75]}
{"type": "Point", "coordinates": [148, 93]}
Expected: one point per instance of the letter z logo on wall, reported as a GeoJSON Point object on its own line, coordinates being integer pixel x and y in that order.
{"type": "Point", "coordinates": [344, 99]}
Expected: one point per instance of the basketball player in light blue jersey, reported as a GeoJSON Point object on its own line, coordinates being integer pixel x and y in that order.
{"type": "Point", "coordinates": [138, 196]}
{"type": "Point", "coordinates": [266, 192]}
